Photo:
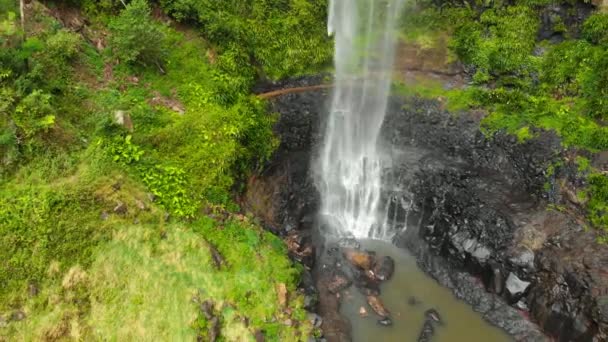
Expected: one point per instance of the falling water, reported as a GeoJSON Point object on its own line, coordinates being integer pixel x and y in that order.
{"type": "Point", "coordinates": [350, 162]}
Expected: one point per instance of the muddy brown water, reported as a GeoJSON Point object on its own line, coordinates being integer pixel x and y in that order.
{"type": "Point", "coordinates": [460, 322]}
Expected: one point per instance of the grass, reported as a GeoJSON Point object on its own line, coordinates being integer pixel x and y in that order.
{"type": "Point", "coordinates": [143, 284]}
{"type": "Point", "coordinates": [105, 273]}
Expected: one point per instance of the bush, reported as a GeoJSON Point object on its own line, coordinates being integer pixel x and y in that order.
{"type": "Point", "coordinates": [283, 37]}
{"type": "Point", "coordinates": [136, 37]}
{"type": "Point", "coordinates": [593, 79]}
{"type": "Point", "coordinates": [501, 42]}
{"type": "Point", "coordinates": [595, 28]}
{"type": "Point", "coordinates": [34, 114]}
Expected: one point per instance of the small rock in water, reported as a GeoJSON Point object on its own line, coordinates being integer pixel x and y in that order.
{"type": "Point", "coordinates": [413, 301]}
{"type": "Point", "coordinates": [315, 320]}
{"type": "Point", "coordinates": [338, 282]}
{"type": "Point", "coordinates": [385, 322]}
{"type": "Point", "coordinates": [362, 312]}
{"type": "Point", "coordinates": [362, 260]}
{"type": "Point", "coordinates": [376, 304]}
{"type": "Point", "coordinates": [427, 332]}
{"type": "Point", "coordinates": [384, 268]}
{"type": "Point", "coordinates": [432, 314]}
{"type": "Point", "coordinates": [349, 243]}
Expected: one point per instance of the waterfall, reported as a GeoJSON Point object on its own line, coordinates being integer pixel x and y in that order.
{"type": "Point", "coordinates": [350, 162]}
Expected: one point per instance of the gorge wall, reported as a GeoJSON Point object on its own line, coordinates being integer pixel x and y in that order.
{"type": "Point", "coordinates": [477, 212]}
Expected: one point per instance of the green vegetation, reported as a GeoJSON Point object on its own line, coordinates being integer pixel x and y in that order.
{"type": "Point", "coordinates": [521, 82]}
{"type": "Point", "coordinates": [116, 138]}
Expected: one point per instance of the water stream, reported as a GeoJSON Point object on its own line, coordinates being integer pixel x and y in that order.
{"type": "Point", "coordinates": [349, 178]}
{"type": "Point", "coordinates": [407, 296]}
{"type": "Point", "coordinates": [350, 161]}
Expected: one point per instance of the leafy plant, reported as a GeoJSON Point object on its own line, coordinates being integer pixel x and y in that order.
{"type": "Point", "coordinates": [124, 151]}
{"type": "Point", "coordinates": [136, 38]}
{"type": "Point", "coordinates": [34, 114]}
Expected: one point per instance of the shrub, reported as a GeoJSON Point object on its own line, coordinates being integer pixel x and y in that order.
{"type": "Point", "coordinates": [501, 42]}
{"type": "Point", "coordinates": [136, 37]}
{"type": "Point", "coordinates": [34, 114]}
{"type": "Point", "coordinates": [283, 37]}
{"type": "Point", "coordinates": [595, 28]}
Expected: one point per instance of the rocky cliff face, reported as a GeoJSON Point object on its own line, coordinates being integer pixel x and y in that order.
{"type": "Point", "coordinates": [476, 213]}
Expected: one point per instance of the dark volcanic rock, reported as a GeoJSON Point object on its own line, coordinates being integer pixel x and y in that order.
{"type": "Point", "coordinates": [432, 314]}
{"type": "Point", "coordinates": [479, 203]}
{"type": "Point", "coordinates": [386, 322]}
{"type": "Point", "coordinates": [475, 208]}
{"type": "Point", "coordinates": [384, 268]}
{"type": "Point", "coordinates": [427, 332]}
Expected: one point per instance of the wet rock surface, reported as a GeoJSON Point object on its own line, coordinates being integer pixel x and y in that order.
{"type": "Point", "coordinates": [479, 204]}
{"type": "Point", "coordinates": [477, 218]}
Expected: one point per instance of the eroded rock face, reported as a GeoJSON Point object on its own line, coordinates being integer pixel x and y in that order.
{"type": "Point", "coordinates": [476, 214]}
{"type": "Point", "coordinates": [480, 204]}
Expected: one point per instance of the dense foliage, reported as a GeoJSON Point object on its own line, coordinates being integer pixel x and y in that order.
{"type": "Point", "coordinates": [111, 129]}
{"type": "Point", "coordinates": [558, 84]}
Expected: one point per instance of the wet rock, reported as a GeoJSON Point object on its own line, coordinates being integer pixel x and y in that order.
{"type": "Point", "coordinates": [413, 301]}
{"type": "Point", "coordinates": [361, 259]}
{"type": "Point", "coordinates": [376, 304]}
{"type": "Point", "coordinates": [315, 320]}
{"type": "Point", "coordinates": [367, 283]}
{"type": "Point", "coordinates": [432, 314]}
{"type": "Point", "coordinates": [349, 243]}
{"type": "Point", "coordinates": [310, 302]}
{"type": "Point", "coordinates": [515, 286]}
{"type": "Point", "coordinates": [386, 321]}
{"type": "Point", "coordinates": [523, 258]}
{"type": "Point", "coordinates": [427, 332]}
{"type": "Point", "coordinates": [384, 268]}
{"type": "Point", "coordinates": [338, 282]}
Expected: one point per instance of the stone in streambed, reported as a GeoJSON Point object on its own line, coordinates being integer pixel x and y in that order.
{"type": "Point", "coordinates": [384, 268]}
{"type": "Point", "coordinates": [376, 304]}
{"type": "Point", "coordinates": [360, 259]}
{"type": "Point", "coordinates": [432, 314]}
{"type": "Point", "coordinates": [385, 322]}
{"type": "Point", "coordinates": [427, 332]}
{"type": "Point", "coordinates": [413, 301]}
{"type": "Point", "coordinates": [516, 287]}
{"type": "Point", "coordinates": [338, 282]}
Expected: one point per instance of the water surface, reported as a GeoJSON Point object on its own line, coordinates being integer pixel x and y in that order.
{"type": "Point", "coordinates": [461, 323]}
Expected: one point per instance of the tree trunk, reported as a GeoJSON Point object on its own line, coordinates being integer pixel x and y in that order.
{"type": "Point", "coordinates": [22, 13]}
{"type": "Point", "coordinates": [24, 36]}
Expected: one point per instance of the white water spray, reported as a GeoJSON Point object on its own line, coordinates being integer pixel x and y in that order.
{"type": "Point", "coordinates": [350, 162]}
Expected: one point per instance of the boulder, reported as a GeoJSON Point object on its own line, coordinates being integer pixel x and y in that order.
{"type": "Point", "coordinates": [360, 259]}
{"type": "Point", "coordinates": [515, 286]}
{"type": "Point", "coordinates": [384, 268]}
{"type": "Point", "coordinates": [376, 304]}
